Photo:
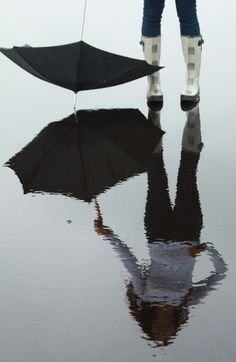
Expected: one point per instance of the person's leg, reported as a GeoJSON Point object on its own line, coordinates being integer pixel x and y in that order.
{"type": "Point", "coordinates": [152, 14]}
{"type": "Point", "coordinates": [187, 13]}
{"type": "Point", "coordinates": [192, 46]}
{"type": "Point", "coordinates": [151, 41]}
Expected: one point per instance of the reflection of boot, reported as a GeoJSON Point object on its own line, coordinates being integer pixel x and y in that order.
{"type": "Point", "coordinates": [192, 140]}
{"type": "Point", "coordinates": [192, 49]}
{"type": "Point", "coordinates": [188, 219]}
{"type": "Point", "coordinates": [155, 118]}
{"type": "Point", "coordinates": [152, 53]}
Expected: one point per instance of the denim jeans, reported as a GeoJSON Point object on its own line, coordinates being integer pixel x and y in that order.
{"type": "Point", "coordinates": [186, 11]}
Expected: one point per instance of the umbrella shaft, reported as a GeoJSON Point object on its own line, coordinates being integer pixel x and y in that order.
{"type": "Point", "coordinates": [84, 15]}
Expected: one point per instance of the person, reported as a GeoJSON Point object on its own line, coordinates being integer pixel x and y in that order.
{"type": "Point", "coordinates": [191, 40]}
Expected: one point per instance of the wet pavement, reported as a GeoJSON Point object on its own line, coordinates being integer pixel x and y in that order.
{"type": "Point", "coordinates": [104, 272]}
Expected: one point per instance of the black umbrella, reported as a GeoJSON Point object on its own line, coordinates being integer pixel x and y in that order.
{"type": "Point", "coordinates": [78, 66]}
{"type": "Point", "coordinates": [84, 159]}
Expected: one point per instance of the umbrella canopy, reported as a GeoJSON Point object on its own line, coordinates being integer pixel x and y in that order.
{"type": "Point", "coordinates": [84, 159]}
{"type": "Point", "coordinates": [78, 66]}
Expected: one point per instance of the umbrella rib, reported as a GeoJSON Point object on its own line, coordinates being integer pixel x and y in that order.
{"type": "Point", "coordinates": [40, 76]}
{"type": "Point", "coordinates": [83, 162]}
{"type": "Point", "coordinates": [124, 73]}
{"type": "Point", "coordinates": [44, 158]}
{"type": "Point", "coordinates": [108, 160]}
{"type": "Point", "coordinates": [110, 165]}
{"type": "Point", "coordinates": [110, 140]}
{"type": "Point", "coordinates": [113, 173]}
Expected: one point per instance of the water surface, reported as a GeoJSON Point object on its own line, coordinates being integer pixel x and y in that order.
{"type": "Point", "coordinates": [95, 281]}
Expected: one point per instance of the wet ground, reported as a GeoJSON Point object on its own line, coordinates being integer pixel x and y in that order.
{"type": "Point", "coordinates": [93, 281]}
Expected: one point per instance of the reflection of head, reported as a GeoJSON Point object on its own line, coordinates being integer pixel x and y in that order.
{"type": "Point", "coordinates": [160, 323]}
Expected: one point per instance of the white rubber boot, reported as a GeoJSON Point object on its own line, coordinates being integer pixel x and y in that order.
{"type": "Point", "coordinates": [192, 51]}
{"type": "Point", "coordinates": [152, 54]}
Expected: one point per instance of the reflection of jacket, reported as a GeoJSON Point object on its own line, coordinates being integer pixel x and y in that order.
{"type": "Point", "coordinates": [168, 280]}
{"type": "Point", "coordinates": [163, 310]}
{"type": "Point", "coordinates": [170, 275]}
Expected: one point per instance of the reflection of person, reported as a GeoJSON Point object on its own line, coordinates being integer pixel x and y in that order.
{"type": "Point", "coordinates": [191, 44]}
{"type": "Point", "coordinates": [159, 296]}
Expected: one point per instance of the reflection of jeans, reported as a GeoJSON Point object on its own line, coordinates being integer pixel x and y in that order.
{"type": "Point", "coordinates": [187, 13]}
{"type": "Point", "coordinates": [184, 222]}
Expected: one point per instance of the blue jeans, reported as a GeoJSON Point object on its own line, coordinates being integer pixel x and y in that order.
{"type": "Point", "coordinates": [186, 11]}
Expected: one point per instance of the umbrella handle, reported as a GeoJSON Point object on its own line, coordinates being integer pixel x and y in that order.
{"type": "Point", "coordinates": [98, 210]}
{"type": "Point", "coordinates": [99, 227]}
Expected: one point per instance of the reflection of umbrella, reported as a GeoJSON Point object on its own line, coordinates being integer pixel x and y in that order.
{"type": "Point", "coordinates": [78, 66]}
{"type": "Point", "coordinates": [84, 159]}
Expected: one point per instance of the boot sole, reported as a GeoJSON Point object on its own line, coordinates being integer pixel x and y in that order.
{"type": "Point", "coordinates": [155, 103]}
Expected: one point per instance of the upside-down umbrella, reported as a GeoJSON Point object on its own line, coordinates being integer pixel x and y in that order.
{"type": "Point", "coordinates": [78, 66]}
{"type": "Point", "coordinates": [84, 159]}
